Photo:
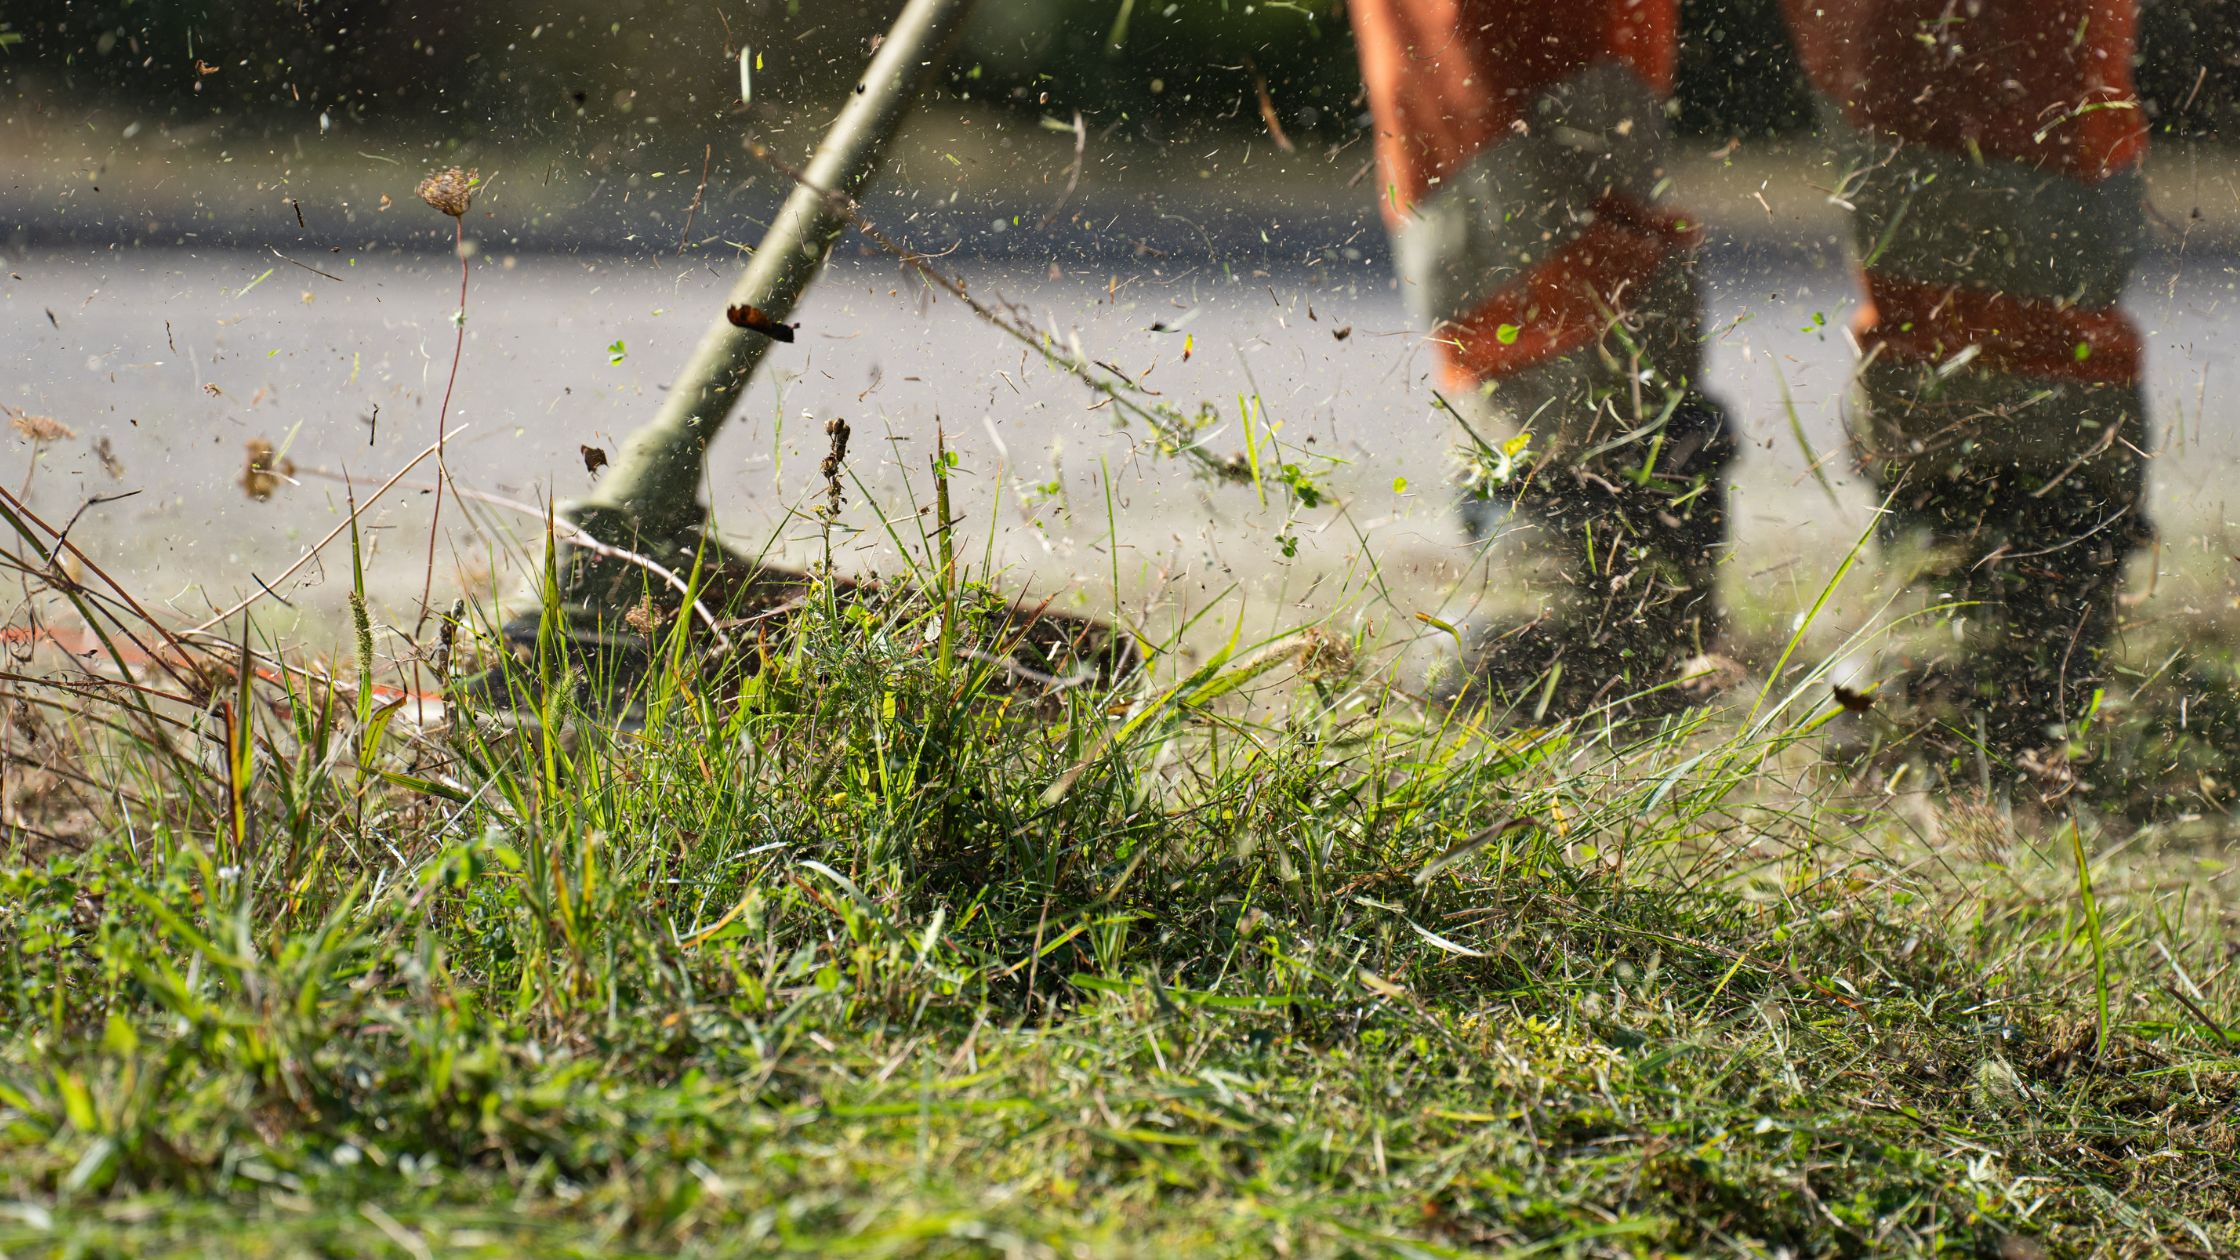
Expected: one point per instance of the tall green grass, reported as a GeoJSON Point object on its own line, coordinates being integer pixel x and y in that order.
{"type": "Point", "coordinates": [859, 945]}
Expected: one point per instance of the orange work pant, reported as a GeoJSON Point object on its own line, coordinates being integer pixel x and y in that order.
{"type": "Point", "coordinates": [1989, 155]}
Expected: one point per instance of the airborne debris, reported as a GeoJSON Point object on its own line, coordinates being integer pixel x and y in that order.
{"type": "Point", "coordinates": [1268, 107]}
{"type": "Point", "coordinates": [108, 456]}
{"type": "Point", "coordinates": [266, 469]}
{"type": "Point", "coordinates": [1852, 701]}
{"type": "Point", "coordinates": [1710, 674]}
{"type": "Point", "coordinates": [1340, 334]}
{"type": "Point", "coordinates": [755, 319]}
{"type": "Point", "coordinates": [594, 459]}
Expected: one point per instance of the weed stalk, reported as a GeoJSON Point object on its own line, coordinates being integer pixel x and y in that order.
{"type": "Point", "coordinates": [451, 192]}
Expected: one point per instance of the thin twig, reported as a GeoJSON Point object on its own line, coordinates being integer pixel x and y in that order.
{"type": "Point", "coordinates": [685, 237]}
{"type": "Point", "coordinates": [2192, 1008]}
{"type": "Point", "coordinates": [306, 266]}
{"type": "Point", "coordinates": [1073, 171]}
{"type": "Point", "coordinates": [314, 549]}
{"type": "Point", "coordinates": [443, 413]}
{"type": "Point", "coordinates": [91, 503]}
{"type": "Point", "coordinates": [1268, 107]}
{"type": "Point", "coordinates": [574, 536]}
{"type": "Point", "coordinates": [1173, 428]}
{"type": "Point", "coordinates": [23, 510]}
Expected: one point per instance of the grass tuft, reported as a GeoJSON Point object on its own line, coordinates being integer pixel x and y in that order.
{"type": "Point", "coordinates": [869, 942]}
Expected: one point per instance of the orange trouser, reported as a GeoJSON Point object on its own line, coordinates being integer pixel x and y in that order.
{"type": "Point", "coordinates": [1990, 153]}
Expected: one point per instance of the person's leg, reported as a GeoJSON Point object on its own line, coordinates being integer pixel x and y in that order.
{"type": "Point", "coordinates": [1522, 155]}
{"type": "Point", "coordinates": [1991, 151]}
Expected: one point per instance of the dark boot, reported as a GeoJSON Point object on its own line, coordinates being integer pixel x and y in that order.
{"type": "Point", "coordinates": [2034, 573]}
{"type": "Point", "coordinates": [1635, 552]}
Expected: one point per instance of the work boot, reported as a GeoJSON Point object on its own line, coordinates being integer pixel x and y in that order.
{"type": "Point", "coordinates": [1630, 548]}
{"type": "Point", "coordinates": [2032, 585]}
{"type": "Point", "coordinates": [2024, 548]}
{"type": "Point", "coordinates": [1998, 404]}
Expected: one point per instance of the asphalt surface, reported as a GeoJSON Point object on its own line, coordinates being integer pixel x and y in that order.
{"type": "Point", "coordinates": [166, 357]}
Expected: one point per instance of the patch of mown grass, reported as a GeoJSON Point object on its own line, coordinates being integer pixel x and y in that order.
{"type": "Point", "coordinates": [875, 952]}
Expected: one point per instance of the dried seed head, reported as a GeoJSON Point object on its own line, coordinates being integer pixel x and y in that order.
{"type": "Point", "coordinates": [39, 428]}
{"type": "Point", "coordinates": [834, 458]}
{"type": "Point", "coordinates": [447, 637]}
{"type": "Point", "coordinates": [361, 627]}
{"type": "Point", "coordinates": [450, 191]}
{"type": "Point", "coordinates": [646, 618]}
{"type": "Point", "coordinates": [1324, 656]}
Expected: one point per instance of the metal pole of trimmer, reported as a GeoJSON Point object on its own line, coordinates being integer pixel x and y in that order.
{"type": "Point", "coordinates": [649, 499]}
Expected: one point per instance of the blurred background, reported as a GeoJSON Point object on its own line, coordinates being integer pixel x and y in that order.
{"type": "Point", "coordinates": [634, 73]}
{"type": "Point", "coordinates": [212, 242]}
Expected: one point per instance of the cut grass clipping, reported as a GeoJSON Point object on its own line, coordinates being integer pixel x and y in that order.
{"type": "Point", "coordinates": [867, 948]}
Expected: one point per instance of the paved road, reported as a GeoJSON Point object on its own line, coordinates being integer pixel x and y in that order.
{"type": "Point", "coordinates": [175, 359]}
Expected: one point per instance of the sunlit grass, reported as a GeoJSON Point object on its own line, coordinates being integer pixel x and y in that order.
{"type": "Point", "coordinates": [860, 945]}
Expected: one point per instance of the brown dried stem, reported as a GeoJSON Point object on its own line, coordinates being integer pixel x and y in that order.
{"type": "Point", "coordinates": [443, 413]}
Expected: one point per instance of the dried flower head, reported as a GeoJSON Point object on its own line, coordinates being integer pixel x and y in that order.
{"type": "Point", "coordinates": [646, 618]}
{"type": "Point", "coordinates": [39, 428]}
{"type": "Point", "coordinates": [1323, 656]}
{"type": "Point", "coordinates": [450, 191]}
{"type": "Point", "coordinates": [447, 637]}
{"type": "Point", "coordinates": [838, 429]}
